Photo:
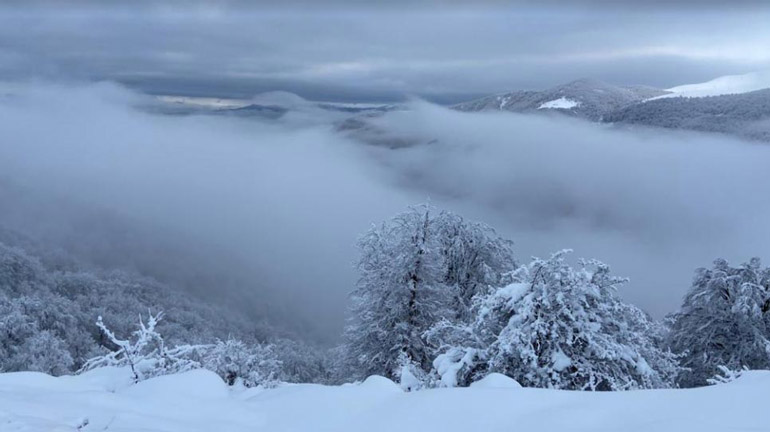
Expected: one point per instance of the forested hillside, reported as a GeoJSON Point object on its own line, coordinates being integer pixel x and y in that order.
{"type": "Point", "coordinates": [746, 115]}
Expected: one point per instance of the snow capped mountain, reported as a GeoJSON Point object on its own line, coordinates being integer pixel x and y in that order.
{"type": "Point", "coordinates": [736, 104]}
{"type": "Point", "coordinates": [746, 115]}
{"type": "Point", "coordinates": [730, 84]}
{"type": "Point", "coordinates": [584, 98]}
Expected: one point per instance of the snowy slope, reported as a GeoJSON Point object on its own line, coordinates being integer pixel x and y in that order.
{"type": "Point", "coordinates": [561, 103]}
{"type": "Point", "coordinates": [198, 401]}
{"type": "Point", "coordinates": [730, 84]}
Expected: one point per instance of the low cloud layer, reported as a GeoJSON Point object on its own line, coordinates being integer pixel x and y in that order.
{"type": "Point", "coordinates": [277, 207]}
{"type": "Point", "coordinates": [280, 208]}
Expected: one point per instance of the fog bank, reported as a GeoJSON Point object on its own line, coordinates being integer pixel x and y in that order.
{"type": "Point", "coordinates": [270, 211]}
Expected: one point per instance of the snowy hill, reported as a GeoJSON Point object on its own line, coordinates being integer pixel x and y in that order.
{"type": "Point", "coordinates": [730, 84]}
{"type": "Point", "coordinates": [736, 104]}
{"type": "Point", "coordinates": [199, 401]}
{"type": "Point", "coordinates": [584, 98]}
{"type": "Point", "coordinates": [746, 115]}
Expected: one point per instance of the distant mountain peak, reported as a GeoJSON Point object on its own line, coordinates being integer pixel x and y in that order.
{"type": "Point", "coordinates": [585, 83]}
{"type": "Point", "coordinates": [586, 97]}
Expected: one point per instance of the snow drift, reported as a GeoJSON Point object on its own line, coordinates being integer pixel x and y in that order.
{"type": "Point", "coordinates": [199, 401]}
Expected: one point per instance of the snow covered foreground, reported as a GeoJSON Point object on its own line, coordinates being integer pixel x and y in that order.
{"type": "Point", "coordinates": [199, 401]}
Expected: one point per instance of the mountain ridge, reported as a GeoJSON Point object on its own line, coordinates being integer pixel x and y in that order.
{"type": "Point", "coordinates": [734, 104]}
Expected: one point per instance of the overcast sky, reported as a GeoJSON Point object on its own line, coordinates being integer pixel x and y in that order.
{"type": "Point", "coordinates": [353, 50]}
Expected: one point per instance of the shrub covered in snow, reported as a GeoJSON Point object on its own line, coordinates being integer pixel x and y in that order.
{"type": "Point", "coordinates": [726, 375]}
{"type": "Point", "coordinates": [458, 366]}
{"type": "Point", "coordinates": [147, 355]}
{"type": "Point", "coordinates": [238, 363]}
{"type": "Point", "coordinates": [558, 327]}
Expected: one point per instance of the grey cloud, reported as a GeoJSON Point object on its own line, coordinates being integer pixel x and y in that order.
{"type": "Point", "coordinates": [356, 53]}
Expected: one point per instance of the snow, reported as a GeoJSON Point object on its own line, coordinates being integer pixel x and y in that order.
{"type": "Point", "coordinates": [561, 103]}
{"type": "Point", "coordinates": [448, 365]}
{"type": "Point", "coordinates": [730, 84]}
{"type": "Point", "coordinates": [196, 402]}
{"type": "Point", "coordinates": [496, 380]}
{"type": "Point", "coordinates": [380, 383]}
{"type": "Point", "coordinates": [513, 292]}
{"type": "Point", "coordinates": [408, 379]}
{"type": "Point", "coordinates": [560, 361]}
{"type": "Point", "coordinates": [200, 384]}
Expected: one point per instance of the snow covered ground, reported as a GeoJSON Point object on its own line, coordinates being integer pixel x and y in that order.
{"type": "Point", "coordinates": [198, 401]}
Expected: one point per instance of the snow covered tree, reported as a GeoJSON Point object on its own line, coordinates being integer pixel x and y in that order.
{"type": "Point", "coordinates": [24, 346]}
{"type": "Point", "coordinates": [303, 363]}
{"type": "Point", "coordinates": [146, 355]}
{"type": "Point", "coordinates": [475, 258]}
{"type": "Point", "coordinates": [566, 328]}
{"type": "Point", "coordinates": [20, 274]}
{"type": "Point", "coordinates": [724, 321]}
{"type": "Point", "coordinates": [399, 295]}
{"type": "Point", "coordinates": [419, 268]}
{"type": "Point", "coordinates": [44, 352]}
{"type": "Point", "coordinates": [238, 363]}
{"type": "Point", "coordinates": [460, 351]}
{"type": "Point", "coordinates": [648, 337]}
{"type": "Point", "coordinates": [33, 334]}
{"type": "Point", "coordinates": [557, 327]}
